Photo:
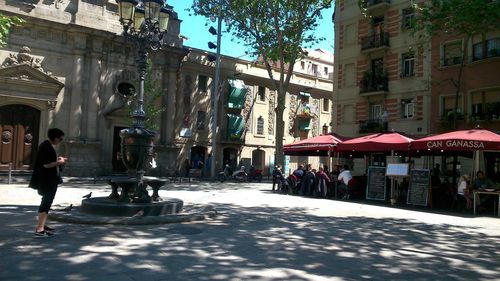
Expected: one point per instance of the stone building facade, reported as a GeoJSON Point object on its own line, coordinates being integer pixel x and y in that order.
{"type": "Point", "coordinates": [62, 68]}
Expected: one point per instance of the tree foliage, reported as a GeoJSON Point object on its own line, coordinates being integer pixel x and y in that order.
{"type": "Point", "coordinates": [152, 92]}
{"type": "Point", "coordinates": [274, 31]}
{"type": "Point", "coordinates": [6, 24]}
{"type": "Point", "coordinates": [458, 17]}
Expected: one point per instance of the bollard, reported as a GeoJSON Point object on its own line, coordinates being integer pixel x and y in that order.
{"type": "Point", "coordinates": [9, 180]}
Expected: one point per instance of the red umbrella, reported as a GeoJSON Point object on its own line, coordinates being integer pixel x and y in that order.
{"type": "Point", "coordinates": [313, 145]}
{"type": "Point", "coordinates": [464, 140]}
{"type": "Point", "coordinates": [383, 142]}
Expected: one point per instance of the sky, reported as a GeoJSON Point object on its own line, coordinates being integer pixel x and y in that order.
{"type": "Point", "coordinates": [194, 28]}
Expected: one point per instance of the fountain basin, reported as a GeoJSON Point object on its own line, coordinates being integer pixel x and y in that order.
{"type": "Point", "coordinates": [103, 206]}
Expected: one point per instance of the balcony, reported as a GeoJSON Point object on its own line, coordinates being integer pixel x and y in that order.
{"type": "Point", "coordinates": [375, 42]}
{"type": "Point", "coordinates": [377, 7]}
{"type": "Point", "coordinates": [305, 111]}
{"type": "Point", "coordinates": [370, 126]}
{"type": "Point", "coordinates": [373, 83]}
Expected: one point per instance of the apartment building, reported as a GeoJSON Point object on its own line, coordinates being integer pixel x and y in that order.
{"type": "Point", "coordinates": [479, 95]}
{"type": "Point", "coordinates": [382, 74]}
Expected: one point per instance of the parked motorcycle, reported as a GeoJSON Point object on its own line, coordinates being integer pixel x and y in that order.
{"type": "Point", "coordinates": [254, 174]}
{"type": "Point", "coordinates": [239, 175]}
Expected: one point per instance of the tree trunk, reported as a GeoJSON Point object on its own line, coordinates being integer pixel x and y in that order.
{"type": "Point", "coordinates": [459, 83]}
{"type": "Point", "coordinates": [280, 128]}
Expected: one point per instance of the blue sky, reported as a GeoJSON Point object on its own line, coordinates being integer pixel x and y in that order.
{"type": "Point", "coordinates": [194, 28]}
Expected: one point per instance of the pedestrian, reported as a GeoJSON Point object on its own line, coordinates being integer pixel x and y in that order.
{"type": "Point", "coordinates": [46, 177]}
{"type": "Point", "coordinates": [277, 177]}
{"type": "Point", "coordinates": [344, 177]}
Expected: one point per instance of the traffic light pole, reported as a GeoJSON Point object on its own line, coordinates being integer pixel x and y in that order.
{"type": "Point", "coordinates": [215, 100]}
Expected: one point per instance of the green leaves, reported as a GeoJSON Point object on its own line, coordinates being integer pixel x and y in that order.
{"type": "Point", "coordinates": [277, 29]}
{"type": "Point", "coordinates": [467, 17]}
{"type": "Point", "coordinates": [6, 24]}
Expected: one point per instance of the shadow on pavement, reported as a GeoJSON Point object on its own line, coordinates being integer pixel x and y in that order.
{"type": "Point", "coordinates": [248, 243]}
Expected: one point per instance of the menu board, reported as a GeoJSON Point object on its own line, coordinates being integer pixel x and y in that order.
{"type": "Point", "coordinates": [376, 188]}
{"type": "Point", "coordinates": [397, 169]}
{"type": "Point", "coordinates": [418, 189]}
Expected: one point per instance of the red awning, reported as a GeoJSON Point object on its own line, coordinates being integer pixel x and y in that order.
{"type": "Point", "coordinates": [383, 142]}
{"type": "Point", "coordinates": [314, 144]}
{"type": "Point", "coordinates": [464, 140]}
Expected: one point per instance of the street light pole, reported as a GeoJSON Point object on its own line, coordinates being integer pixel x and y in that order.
{"type": "Point", "coordinates": [215, 100]}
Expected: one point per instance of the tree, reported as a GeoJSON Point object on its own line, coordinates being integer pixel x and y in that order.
{"type": "Point", "coordinates": [152, 92]}
{"type": "Point", "coordinates": [6, 23]}
{"type": "Point", "coordinates": [277, 31]}
{"type": "Point", "coordinates": [465, 18]}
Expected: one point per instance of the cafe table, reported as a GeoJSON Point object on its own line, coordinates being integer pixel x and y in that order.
{"type": "Point", "coordinates": [487, 191]}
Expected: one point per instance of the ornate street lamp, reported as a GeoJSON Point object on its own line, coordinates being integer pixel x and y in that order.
{"type": "Point", "coordinates": [144, 22]}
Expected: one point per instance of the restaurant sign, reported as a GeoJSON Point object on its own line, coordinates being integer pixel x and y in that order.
{"type": "Point", "coordinates": [455, 144]}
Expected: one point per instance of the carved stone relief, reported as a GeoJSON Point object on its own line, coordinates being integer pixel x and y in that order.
{"type": "Point", "coordinates": [24, 57]}
{"type": "Point", "coordinates": [271, 112]}
{"type": "Point", "coordinates": [292, 115]}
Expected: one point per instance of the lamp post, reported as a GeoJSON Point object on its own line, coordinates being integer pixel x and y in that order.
{"type": "Point", "coordinates": [144, 22]}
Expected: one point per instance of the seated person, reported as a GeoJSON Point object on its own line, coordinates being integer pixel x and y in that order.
{"type": "Point", "coordinates": [463, 191]}
{"type": "Point", "coordinates": [344, 177]}
{"type": "Point", "coordinates": [299, 173]}
{"type": "Point", "coordinates": [481, 181]}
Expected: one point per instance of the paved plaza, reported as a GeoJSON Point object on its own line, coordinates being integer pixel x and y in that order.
{"type": "Point", "coordinates": [257, 235]}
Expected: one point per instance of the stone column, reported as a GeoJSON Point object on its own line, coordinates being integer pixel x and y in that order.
{"type": "Point", "coordinates": [171, 101]}
{"type": "Point", "coordinates": [93, 95]}
{"type": "Point", "coordinates": [75, 113]}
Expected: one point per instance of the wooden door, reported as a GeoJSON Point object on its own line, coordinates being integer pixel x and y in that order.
{"type": "Point", "coordinates": [19, 128]}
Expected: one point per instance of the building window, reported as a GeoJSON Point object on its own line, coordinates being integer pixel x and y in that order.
{"type": "Point", "coordinates": [200, 120]}
{"type": "Point", "coordinates": [325, 129]}
{"type": "Point", "coordinates": [262, 93]}
{"type": "Point", "coordinates": [302, 65]}
{"type": "Point", "coordinates": [325, 71]}
{"type": "Point", "coordinates": [260, 125]}
{"type": "Point", "coordinates": [487, 49]}
{"type": "Point", "coordinates": [326, 105]}
{"type": "Point", "coordinates": [452, 53]}
{"type": "Point", "coordinates": [448, 106]}
{"type": "Point", "coordinates": [375, 112]}
{"type": "Point", "coordinates": [408, 20]}
{"type": "Point", "coordinates": [407, 109]}
{"type": "Point", "coordinates": [493, 47]}
{"type": "Point", "coordinates": [408, 65]}
{"type": "Point", "coordinates": [486, 105]}
{"type": "Point", "coordinates": [314, 69]}
{"type": "Point", "coordinates": [202, 83]}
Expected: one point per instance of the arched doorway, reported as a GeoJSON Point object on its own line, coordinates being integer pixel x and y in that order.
{"type": "Point", "coordinates": [19, 129]}
{"type": "Point", "coordinates": [230, 156]}
{"type": "Point", "coordinates": [198, 153]}
{"type": "Point", "coordinates": [259, 159]}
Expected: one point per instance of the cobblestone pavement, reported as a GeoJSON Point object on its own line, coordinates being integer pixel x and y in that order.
{"type": "Point", "coordinates": [257, 235]}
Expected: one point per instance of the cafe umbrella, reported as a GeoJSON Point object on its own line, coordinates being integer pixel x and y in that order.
{"type": "Point", "coordinates": [474, 140]}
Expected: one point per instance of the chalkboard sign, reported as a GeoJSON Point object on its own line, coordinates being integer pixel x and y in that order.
{"type": "Point", "coordinates": [375, 189]}
{"type": "Point", "coordinates": [400, 170]}
{"type": "Point", "coordinates": [418, 189]}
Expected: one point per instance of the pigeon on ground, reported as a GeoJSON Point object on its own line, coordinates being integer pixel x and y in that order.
{"type": "Point", "coordinates": [68, 209]}
{"type": "Point", "coordinates": [87, 196]}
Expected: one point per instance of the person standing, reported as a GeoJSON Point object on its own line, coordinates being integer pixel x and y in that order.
{"type": "Point", "coordinates": [46, 178]}
{"type": "Point", "coordinates": [344, 177]}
